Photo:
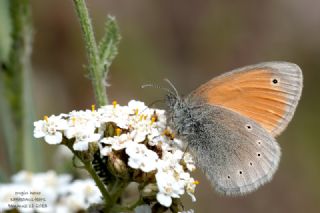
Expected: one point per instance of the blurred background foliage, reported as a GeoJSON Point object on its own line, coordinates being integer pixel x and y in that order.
{"type": "Point", "coordinates": [190, 42]}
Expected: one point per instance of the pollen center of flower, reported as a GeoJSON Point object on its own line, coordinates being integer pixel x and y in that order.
{"type": "Point", "coordinates": [118, 131]}
{"type": "Point", "coordinates": [73, 119]}
{"type": "Point", "coordinates": [93, 107]}
{"type": "Point", "coordinates": [168, 189]}
{"type": "Point", "coordinates": [196, 182]}
{"type": "Point", "coordinates": [45, 118]}
{"type": "Point", "coordinates": [153, 119]}
{"type": "Point", "coordinates": [114, 103]}
{"type": "Point", "coordinates": [51, 129]}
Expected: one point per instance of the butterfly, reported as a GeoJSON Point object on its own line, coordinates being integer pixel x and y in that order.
{"type": "Point", "coordinates": [230, 123]}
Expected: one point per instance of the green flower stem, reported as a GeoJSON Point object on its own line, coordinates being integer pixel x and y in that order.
{"type": "Point", "coordinates": [108, 199]}
{"type": "Point", "coordinates": [109, 202]}
{"type": "Point", "coordinates": [96, 66]}
{"type": "Point", "coordinates": [119, 186]}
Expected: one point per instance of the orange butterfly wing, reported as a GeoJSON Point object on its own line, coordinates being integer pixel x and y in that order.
{"type": "Point", "coordinates": [267, 92]}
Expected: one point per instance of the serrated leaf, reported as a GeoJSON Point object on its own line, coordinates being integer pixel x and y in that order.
{"type": "Point", "coordinates": [108, 46]}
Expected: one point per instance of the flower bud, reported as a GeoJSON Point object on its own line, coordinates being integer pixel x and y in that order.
{"type": "Point", "coordinates": [117, 166]}
{"type": "Point", "coordinates": [149, 190]}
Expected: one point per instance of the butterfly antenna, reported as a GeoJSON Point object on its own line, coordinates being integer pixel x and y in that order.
{"type": "Point", "coordinates": [172, 86]}
{"type": "Point", "coordinates": [156, 86]}
{"type": "Point", "coordinates": [151, 104]}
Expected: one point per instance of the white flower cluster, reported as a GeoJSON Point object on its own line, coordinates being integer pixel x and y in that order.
{"type": "Point", "coordinates": [48, 192]}
{"type": "Point", "coordinates": [141, 132]}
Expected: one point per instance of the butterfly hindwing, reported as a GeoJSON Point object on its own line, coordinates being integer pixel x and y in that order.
{"type": "Point", "coordinates": [236, 153]}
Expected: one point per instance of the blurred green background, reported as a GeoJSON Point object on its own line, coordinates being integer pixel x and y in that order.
{"type": "Point", "coordinates": [190, 42]}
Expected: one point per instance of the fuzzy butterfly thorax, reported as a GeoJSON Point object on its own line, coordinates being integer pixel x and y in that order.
{"type": "Point", "coordinates": [179, 115]}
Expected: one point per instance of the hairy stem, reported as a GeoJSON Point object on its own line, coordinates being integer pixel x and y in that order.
{"type": "Point", "coordinates": [95, 66]}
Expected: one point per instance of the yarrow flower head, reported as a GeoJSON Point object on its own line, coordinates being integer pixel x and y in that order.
{"type": "Point", "coordinates": [51, 128]}
{"type": "Point", "coordinates": [132, 139]}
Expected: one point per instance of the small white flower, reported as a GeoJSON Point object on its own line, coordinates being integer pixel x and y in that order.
{"type": "Point", "coordinates": [139, 135]}
{"type": "Point", "coordinates": [164, 199]}
{"type": "Point", "coordinates": [172, 158]}
{"type": "Point", "coordinates": [136, 107]}
{"type": "Point", "coordinates": [83, 137]}
{"type": "Point", "coordinates": [117, 142]}
{"type": "Point", "coordinates": [115, 114]}
{"type": "Point", "coordinates": [190, 188]}
{"type": "Point", "coordinates": [88, 189]}
{"type": "Point", "coordinates": [188, 160]}
{"type": "Point", "coordinates": [84, 134]}
{"type": "Point", "coordinates": [106, 150]}
{"type": "Point", "coordinates": [80, 194]}
{"type": "Point", "coordinates": [51, 129]}
{"type": "Point", "coordinates": [83, 117]}
{"type": "Point", "coordinates": [169, 187]}
{"type": "Point", "coordinates": [140, 157]}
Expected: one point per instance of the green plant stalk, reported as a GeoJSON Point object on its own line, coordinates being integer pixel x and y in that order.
{"type": "Point", "coordinates": [95, 66]}
{"type": "Point", "coordinates": [99, 59]}
{"type": "Point", "coordinates": [15, 77]}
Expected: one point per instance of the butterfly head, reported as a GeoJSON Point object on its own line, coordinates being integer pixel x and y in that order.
{"type": "Point", "coordinates": [172, 98]}
{"type": "Point", "coordinates": [172, 101]}
{"type": "Point", "coordinates": [179, 114]}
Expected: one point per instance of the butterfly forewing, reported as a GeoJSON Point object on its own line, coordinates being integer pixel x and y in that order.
{"type": "Point", "coordinates": [267, 92]}
{"type": "Point", "coordinates": [236, 153]}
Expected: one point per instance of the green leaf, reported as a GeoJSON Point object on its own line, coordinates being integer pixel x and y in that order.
{"type": "Point", "coordinates": [108, 46]}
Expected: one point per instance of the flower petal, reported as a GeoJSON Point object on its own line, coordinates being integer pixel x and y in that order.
{"type": "Point", "coordinates": [164, 199]}
{"type": "Point", "coordinates": [53, 139]}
